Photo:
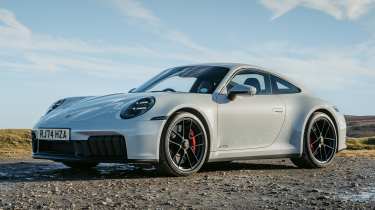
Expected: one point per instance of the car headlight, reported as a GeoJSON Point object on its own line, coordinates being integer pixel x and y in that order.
{"type": "Point", "coordinates": [138, 108]}
{"type": "Point", "coordinates": [55, 105]}
{"type": "Point", "coordinates": [336, 109]}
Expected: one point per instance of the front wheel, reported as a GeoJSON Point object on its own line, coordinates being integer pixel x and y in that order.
{"type": "Point", "coordinates": [183, 146]}
{"type": "Point", "coordinates": [320, 143]}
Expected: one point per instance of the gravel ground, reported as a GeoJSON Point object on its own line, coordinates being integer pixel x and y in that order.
{"type": "Point", "coordinates": [271, 184]}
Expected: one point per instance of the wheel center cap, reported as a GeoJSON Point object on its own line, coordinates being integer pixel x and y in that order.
{"type": "Point", "coordinates": [185, 144]}
{"type": "Point", "coordinates": [321, 140]}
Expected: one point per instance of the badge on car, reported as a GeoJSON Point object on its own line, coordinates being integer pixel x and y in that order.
{"type": "Point", "coordinates": [53, 134]}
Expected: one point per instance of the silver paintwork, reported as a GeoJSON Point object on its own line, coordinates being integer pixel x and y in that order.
{"type": "Point", "coordinates": [256, 126]}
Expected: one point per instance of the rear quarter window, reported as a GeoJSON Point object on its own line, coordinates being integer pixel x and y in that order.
{"type": "Point", "coordinates": [280, 86]}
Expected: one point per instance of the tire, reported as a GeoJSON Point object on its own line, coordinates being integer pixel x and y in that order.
{"type": "Point", "coordinates": [183, 145]}
{"type": "Point", "coordinates": [80, 165]}
{"type": "Point", "coordinates": [320, 142]}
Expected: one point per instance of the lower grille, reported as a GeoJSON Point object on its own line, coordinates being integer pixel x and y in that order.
{"type": "Point", "coordinates": [105, 146]}
{"type": "Point", "coordinates": [56, 147]}
{"type": "Point", "coordinates": [96, 147]}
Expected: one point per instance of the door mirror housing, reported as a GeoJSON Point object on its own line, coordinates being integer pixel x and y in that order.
{"type": "Point", "coordinates": [241, 90]}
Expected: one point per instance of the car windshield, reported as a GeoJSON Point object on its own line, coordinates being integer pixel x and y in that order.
{"type": "Point", "coordinates": [189, 79]}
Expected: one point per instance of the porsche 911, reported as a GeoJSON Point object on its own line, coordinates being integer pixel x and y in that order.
{"type": "Point", "coordinates": [191, 115]}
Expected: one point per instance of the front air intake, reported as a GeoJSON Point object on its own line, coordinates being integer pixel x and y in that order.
{"type": "Point", "coordinates": [106, 148]}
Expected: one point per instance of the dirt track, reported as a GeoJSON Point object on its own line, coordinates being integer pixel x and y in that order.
{"type": "Point", "coordinates": [271, 184]}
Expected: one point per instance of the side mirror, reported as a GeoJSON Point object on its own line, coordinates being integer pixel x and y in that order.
{"type": "Point", "coordinates": [131, 90]}
{"type": "Point", "coordinates": [241, 90]}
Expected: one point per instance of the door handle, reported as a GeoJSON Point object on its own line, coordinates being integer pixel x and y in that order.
{"type": "Point", "coordinates": [278, 109]}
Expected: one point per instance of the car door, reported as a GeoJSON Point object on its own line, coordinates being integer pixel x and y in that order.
{"type": "Point", "coordinates": [249, 121]}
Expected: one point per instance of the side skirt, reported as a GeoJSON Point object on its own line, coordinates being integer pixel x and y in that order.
{"type": "Point", "coordinates": [255, 157]}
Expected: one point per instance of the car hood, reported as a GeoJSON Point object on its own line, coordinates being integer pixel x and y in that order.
{"type": "Point", "coordinates": [90, 107]}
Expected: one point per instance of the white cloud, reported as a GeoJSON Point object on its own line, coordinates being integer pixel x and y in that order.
{"type": "Point", "coordinates": [12, 32]}
{"type": "Point", "coordinates": [15, 35]}
{"type": "Point", "coordinates": [358, 8]}
{"type": "Point", "coordinates": [93, 66]}
{"type": "Point", "coordinates": [339, 9]}
{"type": "Point", "coordinates": [24, 50]}
{"type": "Point", "coordinates": [136, 11]}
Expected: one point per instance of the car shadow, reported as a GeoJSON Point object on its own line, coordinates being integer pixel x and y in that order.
{"type": "Point", "coordinates": [234, 166]}
{"type": "Point", "coordinates": [29, 171]}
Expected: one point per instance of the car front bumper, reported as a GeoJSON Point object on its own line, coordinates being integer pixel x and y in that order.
{"type": "Point", "coordinates": [129, 142]}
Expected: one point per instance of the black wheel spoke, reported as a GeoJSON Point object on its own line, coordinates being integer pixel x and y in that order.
{"type": "Point", "coordinates": [177, 152]}
{"type": "Point", "coordinates": [194, 154]}
{"type": "Point", "coordinates": [179, 135]}
{"type": "Point", "coordinates": [179, 162]}
{"type": "Point", "coordinates": [320, 153]}
{"type": "Point", "coordinates": [325, 153]}
{"type": "Point", "coordinates": [191, 124]}
{"type": "Point", "coordinates": [325, 134]}
{"type": "Point", "coordinates": [175, 143]}
{"type": "Point", "coordinates": [188, 158]}
{"type": "Point", "coordinates": [329, 147]}
{"type": "Point", "coordinates": [317, 127]}
{"type": "Point", "coordinates": [324, 125]}
{"type": "Point", "coordinates": [316, 151]}
{"type": "Point", "coordinates": [183, 128]}
{"type": "Point", "coordinates": [197, 135]}
{"type": "Point", "coordinates": [315, 142]}
{"type": "Point", "coordinates": [316, 136]}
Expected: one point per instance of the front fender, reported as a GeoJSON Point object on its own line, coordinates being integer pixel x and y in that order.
{"type": "Point", "coordinates": [202, 104]}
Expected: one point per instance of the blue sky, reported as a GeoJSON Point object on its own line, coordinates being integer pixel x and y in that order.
{"type": "Point", "coordinates": [55, 49]}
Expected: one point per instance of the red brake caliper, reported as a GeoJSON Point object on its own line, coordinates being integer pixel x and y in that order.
{"type": "Point", "coordinates": [193, 140]}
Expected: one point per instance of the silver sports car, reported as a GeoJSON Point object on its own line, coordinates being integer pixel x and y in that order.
{"type": "Point", "coordinates": [190, 115]}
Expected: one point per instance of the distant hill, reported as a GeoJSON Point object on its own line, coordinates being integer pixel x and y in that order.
{"type": "Point", "coordinates": [360, 126]}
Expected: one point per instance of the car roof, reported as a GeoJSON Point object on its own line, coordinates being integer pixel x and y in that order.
{"type": "Point", "coordinates": [234, 66]}
{"type": "Point", "coordinates": [225, 65]}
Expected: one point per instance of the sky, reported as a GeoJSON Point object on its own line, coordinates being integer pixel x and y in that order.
{"type": "Point", "coordinates": [53, 49]}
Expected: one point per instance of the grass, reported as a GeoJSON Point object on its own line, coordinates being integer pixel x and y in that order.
{"type": "Point", "coordinates": [357, 153]}
{"type": "Point", "coordinates": [367, 143]}
{"type": "Point", "coordinates": [16, 143]}
{"type": "Point", "coordinates": [359, 147]}
{"type": "Point", "coordinates": [15, 137]}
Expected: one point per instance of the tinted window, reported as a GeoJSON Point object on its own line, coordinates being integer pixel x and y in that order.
{"type": "Point", "coordinates": [280, 86]}
{"type": "Point", "coordinates": [251, 78]}
{"type": "Point", "coordinates": [190, 79]}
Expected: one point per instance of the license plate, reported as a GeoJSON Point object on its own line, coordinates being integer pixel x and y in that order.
{"type": "Point", "coordinates": [53, 134]}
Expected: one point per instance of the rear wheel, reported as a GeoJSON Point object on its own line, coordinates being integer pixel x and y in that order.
{"type": "Point", "coordinates": [183, 146]}
{"type": "Point", "coordinates": [81, 165]}
{"type": "Point", "coordinates": [320, 143]}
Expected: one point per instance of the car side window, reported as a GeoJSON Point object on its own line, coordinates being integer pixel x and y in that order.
{"type": "Point", "coordinates": [280, 86]}
{"type": "Point", "coordinates": [251, 78]}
